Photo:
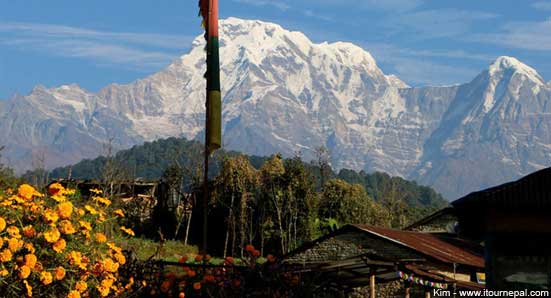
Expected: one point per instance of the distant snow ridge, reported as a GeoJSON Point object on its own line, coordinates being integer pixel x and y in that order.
{"type": "Point", "coordinates": [284, 93]}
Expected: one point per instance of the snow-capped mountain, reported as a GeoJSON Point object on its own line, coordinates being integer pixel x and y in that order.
{"type": "Point", "coordinates": [284, 93]}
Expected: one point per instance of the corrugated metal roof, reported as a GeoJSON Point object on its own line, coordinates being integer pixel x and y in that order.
{"type": "Point", "coordinates": [445, 249]}
{"type": "Point", "coordinates": [532, 191]}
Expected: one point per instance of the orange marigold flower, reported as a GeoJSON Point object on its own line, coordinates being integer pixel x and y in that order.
{"type": "Point", "coordinates": [2, 224]}
{"type": "Point", "coordinates": [46, 277]}
{"type": "Point", "coordinates": [59, 273]}
{"type": "Point", "coordinates": [270, 258]}
{"type": "Point", "coordinates": [66, 227]}
{"type": "Point", "coordinates": [249, 248]}
{"type": "Point", "coordinates": [13, 231]}
{"type": "Point", "coordinates": [110, 265]}
{"type": "Point", "coordinates": [229, 260]}
{"type": "Point", "coordinates": [65, 209]}
{"type": "Point", "coordinates": [27, 192]}
{"type": "Point", "coordinates": [191, 273]}
{"type": "Point", "coordinates": [197, 286]}
{"type": "Point", "coordinates": [15, 244]}
{"type": "Point", "coordinates": [207, 258]}
{"type": "Point", "coordinates": [256, 253]}
{"type": "Point", "coordinates": [24, 272]}
{"type": "Point", "coordinates": [29, 231]}
{"type": "Point", "coordinates": [165, 286]}
{"type": "Point", "coordinates": [209, 278]}
{"type": "Point", "coordinates": [127, 231]}
{"type": "Point", "coordinates": [55, 188]}
{"type": "Point", "coordinates": [81, 286]}
{"type": "Point", "coordinates": [182, 295]}
{"type": "Point", "coordinates": [73, 294]}
{"type": "Point", "coordinates": [50, 216]}
{"type": "Point", "coordinates": [121, 259]}
{"type": "Point", "coordinates": [59, 245]}
{"type": "Point", "coordinates": [52, 235]}
{"type": "Point", "coordinates": [4, 272]}
{"type": "Point", "coordinates": [29, 288]}
{"type": "Point", "coordinates": [5, 255]}
{"type": "Point", "coordinates": [119, 213]}
{"type": "Point", "coordinates": [30, 260]}
{"type": "Point", "coordinates": [100, 237]}
{"type": "Point", "coordinates": [182, 259]}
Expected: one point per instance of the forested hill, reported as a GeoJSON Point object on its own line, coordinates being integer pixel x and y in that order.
{"type": "Point", "coordinates": [150, 160]}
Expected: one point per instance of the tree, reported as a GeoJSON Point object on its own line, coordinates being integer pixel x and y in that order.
{"type": "Point", "coordinates": [349, 203]}
{"type": "Point", "coordinates": [236, 185]}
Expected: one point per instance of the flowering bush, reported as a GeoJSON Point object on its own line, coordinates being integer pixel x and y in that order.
{"type": "Point", "coordinates": [50, 247]}
{"type": "Point", "coordinates": [197, 276]}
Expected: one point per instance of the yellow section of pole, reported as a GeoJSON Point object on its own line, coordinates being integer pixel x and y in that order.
{"type": "Point", "coordinates": [407, 287]}
{"type": "Point", "coordinates": [372, 284]}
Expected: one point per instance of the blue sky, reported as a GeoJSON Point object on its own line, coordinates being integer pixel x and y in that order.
{"type": "Point", "coordinates": [425, 42]}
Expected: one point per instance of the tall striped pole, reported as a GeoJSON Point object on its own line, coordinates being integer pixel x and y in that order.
{"type": "Point", "coordinates": [213, 111]}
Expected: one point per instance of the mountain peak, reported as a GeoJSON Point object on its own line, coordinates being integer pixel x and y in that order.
{"type": "Point", "coordinates": [506, 63]}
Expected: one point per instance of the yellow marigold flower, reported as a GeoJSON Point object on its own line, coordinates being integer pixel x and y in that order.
{"type": "Point", "coordinates": [100, 237]}
{"type": "Point", "coordinates": [24, 272]}
{"type": "Point", "coordinates": [29, 231]}
{"type": "Point", "coordinates": [52, 235]}
{"type": "Point", "coordinates": [128, 231]}
{"type": "Point", "coordinates": [30, 260]}
{"type": "Point", "coordinates": [60, 245]}
{"type": "Point", "coordinates": [85, 225]}
{"type": "Point", "coordinates": [113, 247]}
{"type": "Point", "coordinates": [104, 201]}
{"type": "Point", "coordinates": [27, 192]}
{"type": "Point", "coordinates": [46, 278]}
{"type": "Point", "coordinates": [30, 247]}
{"type": "Point", "coordinates": [73, 294]}
{"type": "Point", "coordinates": [29, 288]}
{"type": "Point", "coordinates": [81, 286]}
{"type": "Point", "coordinates": [65, 209]}
{"type": "Point", "coordinates": [50, 216]}
{"type": "Point", "coordinates": [69, 191]}
{"type": "Point", "coordinates": [119, 213]}
{"type": "Point", "coordinates": [56, 188]}
{"type": "Point", "coordinates": [15, 244]}
{"type": "Point", "coordinates": [91, 209]}
{"type": "Point", "coordinates": [5, 255]}
{"type": "Point", "coordinates": [4, 272]}
{"type": "Point", "coordinates": [77, 259]}
{"type": "Point", "coordinates": [13, 231]}
{"type": "Point", "coordinates": [110, 265]}
{"type": "Point", "coordinates": [66, 227]}
{"type": "Point", "coordinates": [96, 191]}
{"type": "Point", "coordinates": [121, 259]}
{"type": "Point", "coordinates": [2, 224]}
{"type": "Point", "coordinates": [59, 198]}
{"type": "Point", "coordinates": [103, 291]}
{"type": "Point", "coordinates": [59, 273]}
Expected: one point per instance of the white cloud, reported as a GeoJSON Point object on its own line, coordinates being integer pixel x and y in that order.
{"type": "Point", "coordinates": [542, 5]}
{"type": "Point", "coordinates": [273, 3]}
{"type": "Point", "coordinates": [436, 23]}
{"type": "Point", "coordinates": [144, 51]}
{"type": "Point", "coordinates": [375, 5]}
{"type": "Point", "coordinates": [522, 35]}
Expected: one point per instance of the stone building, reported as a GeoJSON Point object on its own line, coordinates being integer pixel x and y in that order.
{"type": "Point", "coordinates": [362, 261]}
